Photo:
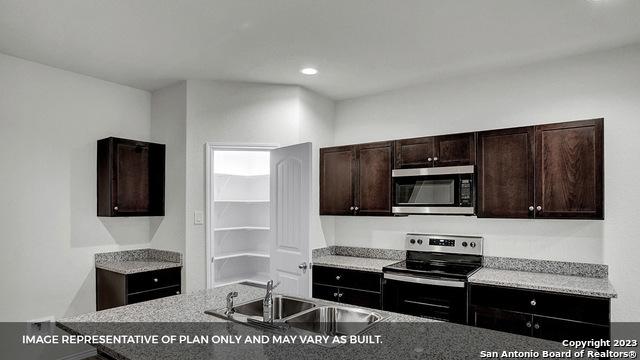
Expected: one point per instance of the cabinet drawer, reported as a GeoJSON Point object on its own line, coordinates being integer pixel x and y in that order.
{"type": "Point", "coordinates": [153, 294]}
{"type": "Point", "coordinates": [572, 307]}
{"type": "Point", "coordinates": [354, 279]}
{"type": "Point", "coordinates": [348, 296]}
{"type": "Point", "coordinates": [151, 280]}
{"type": "Point", "coordinates": [501, 320]}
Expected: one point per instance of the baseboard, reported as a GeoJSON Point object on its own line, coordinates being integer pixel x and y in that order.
{"type": "Point", "coordinates": [81, 355]}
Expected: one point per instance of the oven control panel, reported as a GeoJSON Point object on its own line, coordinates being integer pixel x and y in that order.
{"type": "Point", "coordinates": [471, 245]}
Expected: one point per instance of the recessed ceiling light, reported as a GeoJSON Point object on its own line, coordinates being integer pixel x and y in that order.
{"type": "Point", "coordinates": [309, 71]}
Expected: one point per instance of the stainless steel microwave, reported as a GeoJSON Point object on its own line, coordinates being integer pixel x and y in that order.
{"type": "Point", "coordinates": [437, 190]}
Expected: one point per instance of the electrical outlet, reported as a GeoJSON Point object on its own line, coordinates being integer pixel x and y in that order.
{"type": "Point", "coordinates": [198, 217]}
{"type": "Point", "coordinates": [41, 326]}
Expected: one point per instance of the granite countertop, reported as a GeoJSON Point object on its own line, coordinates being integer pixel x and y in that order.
{"type": "Point", "coordinates": [138, 260]}
{"type": "Point", "coordinates": [401, 336]}
{"type": "Point", "coordinates": [133, 267]}
{"type": "Point", "coordinates": [354, 263]}
{"type": "Point", "coordinates": [579, 285]}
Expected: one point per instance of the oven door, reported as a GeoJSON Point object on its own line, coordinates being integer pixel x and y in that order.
{"type": "Point", "coordinates": [446, 190]}
{"type": "Point", "coordinates": [434, 298]}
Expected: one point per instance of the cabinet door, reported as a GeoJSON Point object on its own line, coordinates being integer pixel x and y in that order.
{"type": "Point", "coordinates": [569, 170]}
{"type": "Point", "coordinates": [455, 150]}
{"type": "Point", "coordinates": [505, 173]}
{"type": "Point", "coordinates": [501, 320]}
{"type": "Point", "coordinates": [131, 182]}
{"type": "Point", "coordinates": [559, 330]}
{"type": "Point", "coordinates": [360, 298]}
{"type": "Point", "coordinates": [375, 162]}
{"type": "Point", "coordinates": [337, 172]}
{"type": "Point", "coordinates": [414, 153]}
{"type": "Point", "coordinates": [325, 292]}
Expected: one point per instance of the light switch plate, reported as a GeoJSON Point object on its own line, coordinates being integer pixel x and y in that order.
{"type": "Point", "coordinates": [198, 217]}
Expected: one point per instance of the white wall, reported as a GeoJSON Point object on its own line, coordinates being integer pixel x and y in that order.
{"type": "Point", "coordinates": [238, 113]}
{"type": "Point", "coordinates": [595, 85]}
{"type": "Point", "coordinates": [50, 121]}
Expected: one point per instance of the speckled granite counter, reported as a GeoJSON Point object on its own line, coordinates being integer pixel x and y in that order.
{"type": "Point", "coordinates": [579, 285]}
{"type": "Point", "coordinates": [402, 336]}
{"type": "Point", "coordinates": [354, 263]}
{"type": "Point", "coordinates": [139, 260]}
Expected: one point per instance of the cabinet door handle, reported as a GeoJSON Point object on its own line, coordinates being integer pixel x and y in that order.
{"type": "Point", "coordinates": [351, 208]}
{"type": "Point", "coordinates": [338, 277]}
{"type": "Point", "coordinates": [533, 302]}
{"type": "Point", "coordinates": [429, 159]}
{"type": "Point", "coordinates": [177, 292]}
{"type": "Point", "coordinates": [531, 208]}
{"type": "Point", "coordinates": [115, 208]}
{"type": "Point", "coordinates": [435, 158]}
{"type": "Point", "coordinates": [538, 207]}
{"type": "Point", "coordinates": [536, 326]}
{"type": "Point", "coordinates": [335, 294]}
{"type": "Point", "coordinates": [340, 295]}
{"type": "Point", "coordinates": [356, 208]}
{"type": "Point", "coordinates": [528, 324]}
{"type": "Point", "coordinates": [155, 280]}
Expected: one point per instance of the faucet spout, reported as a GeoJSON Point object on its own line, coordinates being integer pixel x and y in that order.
{"type": "Point", "coordinates": [230, 297]}
{"type": "Point", "coordinates": [267, 303]}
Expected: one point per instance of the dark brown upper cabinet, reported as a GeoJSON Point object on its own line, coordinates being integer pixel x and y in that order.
{"type": "Point", "coordinates": [505, 173]}
{"type": "Point", "coordinates": [356, 179]}
{"type": "Point", "coordinates": [445, 150]}
{"type": "Point", "coordinates": [569, 170]}
{"type": "Point", "coordinates": [131, 176]}
{"type": "Point", "coordinates": [337, 174]}
{"type": "Point", "coordinates": [546, 171]}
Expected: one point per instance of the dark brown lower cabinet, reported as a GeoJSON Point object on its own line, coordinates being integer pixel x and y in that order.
{"type": "Point", "coordinates": [360, 288]}
{"type": "Point", "coordinates": [115, 289]}
{"type": "Point", "coordinates": [545, 315]}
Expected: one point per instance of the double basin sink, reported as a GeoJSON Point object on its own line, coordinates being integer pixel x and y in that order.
{"type": "Point", "coordinates": [302, 315]}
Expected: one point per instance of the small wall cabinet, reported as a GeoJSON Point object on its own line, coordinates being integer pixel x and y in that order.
{"type": "Point", "coordinates": [356, 179]}
{"type": "Point", "coordinates": [545, 171]}
{"type": "Point", "coordinates": [545, 315]}
{"type": "Point", "coordinates": [435, 151]}
{"type": "Point", "coordinates": [360, 288]}
{"type": "Point", "coordinates": [131, 177]}
{"type": "Point", "coordinates": [115, 289]}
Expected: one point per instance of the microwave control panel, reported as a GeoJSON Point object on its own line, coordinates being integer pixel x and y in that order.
{"type": "Point", "coordinates": [466, 194]}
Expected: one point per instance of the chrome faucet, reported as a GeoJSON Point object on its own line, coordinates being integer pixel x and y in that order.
{"type": "Point", "coordinates": [267, 303]}
{"type": "Point", "coordinates": [230, 296]}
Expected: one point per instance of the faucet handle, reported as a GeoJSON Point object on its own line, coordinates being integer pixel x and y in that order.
{"type": "Point", "coordinates": [276, 285]}
{"type": "Point", "coordinates": [232, 294]}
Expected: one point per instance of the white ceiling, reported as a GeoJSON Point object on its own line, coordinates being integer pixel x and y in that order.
{"type": "Point", "coordinates": [359, 46]}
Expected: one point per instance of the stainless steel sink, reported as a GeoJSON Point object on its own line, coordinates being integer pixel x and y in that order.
{"type": "Point", "coordinates": [283, 307]}
{"type": "Point", "coordinates": [334, 320]}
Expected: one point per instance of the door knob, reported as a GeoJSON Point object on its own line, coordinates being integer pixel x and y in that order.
{"type": "Point", "coordinates": [303, 266]}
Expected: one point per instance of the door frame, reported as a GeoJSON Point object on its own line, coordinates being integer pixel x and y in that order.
{"type": "Point", "coordinates": [209, 148]}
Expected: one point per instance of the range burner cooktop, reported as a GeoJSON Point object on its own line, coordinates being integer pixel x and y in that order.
{"type": "Point", "coordinates": [441, 256]}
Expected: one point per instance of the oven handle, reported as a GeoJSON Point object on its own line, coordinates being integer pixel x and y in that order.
{"type": "Point", "coordinates": [425, 281]}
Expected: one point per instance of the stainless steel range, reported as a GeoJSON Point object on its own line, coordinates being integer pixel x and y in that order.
{"type": "Point", "coordinates": [432, 281]}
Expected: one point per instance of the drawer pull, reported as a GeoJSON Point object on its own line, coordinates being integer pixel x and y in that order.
{"type": "Point", "coordinates": [155, 280]}
{"type": "Point", "coordinates": [536, 326]}
{"type": "Point", "coordinates": [338, 277]}
{"type": "Point", "coordinates": [528, 324]}
{"type": "Point", "coordinates": [335, 294]}
{"type": "Point", "coordinates": [178, 292]}
{"type": "Point", "coordinates": [533, 302]}
{"type": "Point", "coordinates": [340, 295]}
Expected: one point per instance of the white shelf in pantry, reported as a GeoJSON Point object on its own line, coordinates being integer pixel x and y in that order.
{"type": "Point", "coordinates": [240, 254]}
{"type": "Point", "coordinates": [259, 279]}
{"type": "Point", "coordinates": [245, 228]}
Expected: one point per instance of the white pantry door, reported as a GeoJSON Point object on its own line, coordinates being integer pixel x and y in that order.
{"type": "Point", "coordinates": [290, 205]}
